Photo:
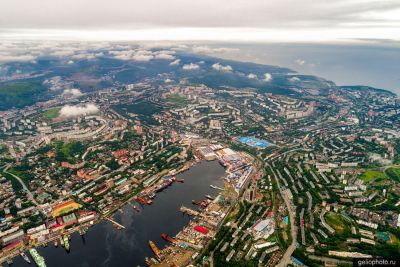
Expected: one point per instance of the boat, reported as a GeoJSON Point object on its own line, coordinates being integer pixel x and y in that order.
{"type": "Point", "coordinates": [209, 197]}
{"type": "Point", "coordinates": [222, 163]}
{"type": "Point", "coordinates": [10, 261]}
{"type": "Point", "coordinates": [39, 260]}
{"type": "Point", "coordinates": [61, 241]}
{"type": "Point", "coordinates": [25, 257]}
{"type": "Point", "coordinates": [136, 208]}
{"type": "Point", "coordinates": [66, 243]}
{"type": "Point", "coordinates": [55, 243]}
{"type": "Point", "coordinates": [216, 187]}
{"type": "Point", "coordinates": [166, 237]}
{"type": "Point", "coordinates": [155, 249]}
{"type": "Point", "coordinates": [180, 180]}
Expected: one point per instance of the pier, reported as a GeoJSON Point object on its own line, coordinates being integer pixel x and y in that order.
{"type": "Point", "coordinates": [189, 211]}
{"type": "Point", "coordinates": [120, 226]}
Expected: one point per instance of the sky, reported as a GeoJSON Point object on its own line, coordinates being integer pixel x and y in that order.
{"type": "Point", "coordinates": [223, 20]}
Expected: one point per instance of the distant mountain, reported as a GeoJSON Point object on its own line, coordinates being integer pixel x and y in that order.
{"type": "Point", "coordinates": [103, 71]}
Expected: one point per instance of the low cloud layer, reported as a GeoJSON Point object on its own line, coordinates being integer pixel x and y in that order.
{"type": "Point", "coordinates": [75, 111]}
{"type": "Point", "coordinates": [219, 67]}
{"type": "Point", "coordinates": [267, 77]}
{"type": "Point", "coordinates": [72, 92]}
{"type": "Point", "coordinates": [191, 66]}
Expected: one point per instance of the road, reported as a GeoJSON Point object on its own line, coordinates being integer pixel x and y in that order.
{"type": "Point", "coordinates": [28, 192]}
{"type": "Point", "coordinates": [292, 214]}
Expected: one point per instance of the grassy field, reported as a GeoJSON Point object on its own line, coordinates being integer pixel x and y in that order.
{"type": "Point", "coordinates": [51, 113]}
{"type": "Point", "coordinates": [371, 175]}
{"type": "Point", "coordinates": [177, 100]}
{"type": "Point", "coordinates": [336, 222]}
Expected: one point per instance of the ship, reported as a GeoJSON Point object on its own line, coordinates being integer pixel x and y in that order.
{"type": "Point", "coordinates": [166, 237]}
{"type": "Point", "coordinates": [136, 208]}
{"type": "Point", "coordinates": [61, 241]}
{"type": "Point", "coordinates": [55, 243]}
{"type": "Point", "coordinates": [180, 180]}
{"type": "Point", "coordinates": [66, 243]}
{"type": "Point", "coordinates": [151, 261]}
{"type": "Point", "coordinates": [209, 197]}
{"type": "Point", "coordinates": [25, 257]}
{"type": "Point", "coordinates": [39, 260]}
{"type": "Point", "coordinates": [222, 163]}
{"type": "Point", "coordinates": [155, 249]}
{"type": "Point", "coordinates": [216, 187]}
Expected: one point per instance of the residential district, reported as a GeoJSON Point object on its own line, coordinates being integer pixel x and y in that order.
{"type": "Point", "coordinates": [310, 180]}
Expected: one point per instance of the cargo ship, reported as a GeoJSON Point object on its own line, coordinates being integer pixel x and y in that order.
{"type": "Point", "coordinates": [39, 260]}
{"type": "Point", "coordinates": [166, 237]}
{"type": "Point", "coordinates": [25, 257]}
{"type": "Point", "coordinates": [66, 242]}
{"type": "Point", "coordinates": [155, 249]}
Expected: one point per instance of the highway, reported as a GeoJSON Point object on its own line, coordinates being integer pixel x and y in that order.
{"type": "Point", "coordinates": [28, 192]}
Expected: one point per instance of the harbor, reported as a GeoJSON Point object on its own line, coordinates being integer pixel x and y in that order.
{"type": "Point", "coordinates": [105, 245]}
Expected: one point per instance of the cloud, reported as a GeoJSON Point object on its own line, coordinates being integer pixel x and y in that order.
{"type": "Point", "coordinates": [143, 55]}
{"type": "Point", "coordinates": [267, 77]}
{"type": "Point", "coordinates": [212, 50]}
{"type": "Point", "coordinates": [75, 111]}
{"type": "Point", "coordinates": [252, 76]}
{"type": "Point", "coordinates": [72, 92]}
{"type": "Point", "coordinates": [16, 58]}
{"type": "Point", "coordinates": [70, 62]}
{"type": "Point", "coordinates": [222, 68]}
{"type": "Point", "coordinates": [175, 62]}
{"type": "Point", "coordinates": [294, 79]}
{"type": "Point", "coordinates": [87, 56]}
{"type": "Point", "coordinates": [168, 81]}
{"type": "Point", "coordinates": [190, 66]}
{"type": "Point", "coordinates": [300, 62]}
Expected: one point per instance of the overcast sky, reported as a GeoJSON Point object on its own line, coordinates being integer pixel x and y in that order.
{"type": "Point", "coordinates": [258, 20]}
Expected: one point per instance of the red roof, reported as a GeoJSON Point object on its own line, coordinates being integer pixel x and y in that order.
{"type": "Point", "coordinates": [201, 229]}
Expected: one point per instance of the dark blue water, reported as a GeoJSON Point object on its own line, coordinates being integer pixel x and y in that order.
{"type": "Point", "coordinates": [103, 245]}
{"type": "Point", "coordinates": [376, 65]}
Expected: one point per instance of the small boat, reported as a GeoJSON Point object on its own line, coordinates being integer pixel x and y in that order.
{"type": "Point", "coordinates": [9, 261]}
{"type": "Point", "coordinates": [55, 243]}
{"type": "Point", "coordinates": [25, 257]}
{"type": "Point", "coordinates": [209, 197]}
{"type": "Point", "coordinates": [61, 241]}
{"type": "Point", "coordinates": [136, 208]}
{"type": "Point", "coordinates": [180, 180]}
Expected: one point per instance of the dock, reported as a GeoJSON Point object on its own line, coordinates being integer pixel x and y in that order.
{"type": "Point", "coordinates": [120, 226]}
{"type": "Point", "coordinates": [189, 211]}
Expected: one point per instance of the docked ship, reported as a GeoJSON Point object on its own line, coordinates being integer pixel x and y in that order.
{"type": "Point", "coordinates": [222, 163]}
{"type": "Point", "coordinates": [39, 260]}
{"type": "Point", "coordinates": [66, 242]}
{"type": "Point", "coordinates": [209, 197]}
{"type": "Point", "coordinates": [55, 243]}
{"type": "Point", "coordinates": [180, 180]}
{"type": "Point", "coordinates": [25, 257]}
{"type": "Point", "coordinates": [155, 249]}
{"type": "Point", "coordinates": [168, 238]}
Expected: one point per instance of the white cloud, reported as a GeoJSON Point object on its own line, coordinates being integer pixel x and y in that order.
{"type": "Point", "coordinates": [175, 62]}
{"type": "Point", "coordinates": [212, 50]}
{"type": "Point", "coordinates": [300, 62]}
{"type": "Point", "coordinates": [15, 58]}
{"type": "Point", "coordinates": [222, 68]}
{"type": "Point", "coordinates": [70, 62]}
{"type": "Point", "coordinates": [168, 81]}
{"type": "Point", "coordinates": [143, 55]}
{"type": "Point", "coordinates": [267, 77]}
{"type": "Point", "coordinates": [72, 92]}
{"type": "Point", "coordinates": [252, 76]}
{"type": "Point", "coordinates": [294, 79]}
{"type": "Point", "coordinates": [75, 111]}
{"type": "Point", "coordinates": [190, 66]}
